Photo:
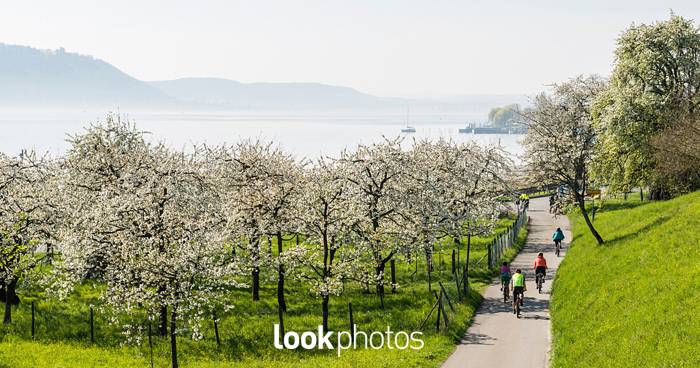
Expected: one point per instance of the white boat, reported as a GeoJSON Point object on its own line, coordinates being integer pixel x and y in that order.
{"type": "Point", "coordinates": [408, 128]}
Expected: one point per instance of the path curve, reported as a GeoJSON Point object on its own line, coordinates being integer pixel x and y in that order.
{"type": "Point", "coordinates": [496, 338]}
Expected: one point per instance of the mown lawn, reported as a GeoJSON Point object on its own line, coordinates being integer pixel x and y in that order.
{"type": "Point", "coordinates": [62, 328]}
{"type": "Point", "coordinates": [635, 301]}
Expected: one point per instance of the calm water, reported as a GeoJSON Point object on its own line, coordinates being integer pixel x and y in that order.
{"type": "Point", "coordinates": [305, 134]}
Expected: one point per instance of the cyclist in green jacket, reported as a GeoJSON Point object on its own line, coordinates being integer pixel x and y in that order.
{"type": "Point", "coordinates": [517, 284]}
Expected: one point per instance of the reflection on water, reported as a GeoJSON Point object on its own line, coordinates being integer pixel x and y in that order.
{"type": "Point", "coordinates": [305, 134]}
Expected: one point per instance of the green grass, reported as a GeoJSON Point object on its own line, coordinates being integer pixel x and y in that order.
{"type": "Point", "coordinates": [62, 328]}
{"type": "Point", "coordinates": [634, 301]}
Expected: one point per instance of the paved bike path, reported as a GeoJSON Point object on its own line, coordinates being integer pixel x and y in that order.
{"type": "Point", "coordinates": [496, 337]}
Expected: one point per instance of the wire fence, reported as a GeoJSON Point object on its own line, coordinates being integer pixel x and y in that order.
{"type": "Point", "coordinates": [507, 240]}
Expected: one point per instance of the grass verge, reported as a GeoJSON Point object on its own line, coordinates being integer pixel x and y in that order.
{"type": "Point", "coordinates": [634, 301]}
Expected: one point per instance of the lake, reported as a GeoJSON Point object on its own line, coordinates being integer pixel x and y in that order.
{"type": "Point", "coordinates": [307, 134]}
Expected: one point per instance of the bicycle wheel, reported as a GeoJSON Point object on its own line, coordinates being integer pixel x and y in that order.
{"type": "Point", "coordinates": [505, 294]}
{"type": "Point", "coordinates": [539, 283]}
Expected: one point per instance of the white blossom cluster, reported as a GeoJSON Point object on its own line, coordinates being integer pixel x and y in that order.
{"type": "Point", "coordinates": [170, 233]}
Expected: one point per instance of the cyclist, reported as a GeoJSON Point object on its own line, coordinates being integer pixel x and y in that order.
{"type": "Point", "coordinates": [558, 236]}
{"type": "Point", "coordinates": [517, 285]}
{"type": "Point", "coordinates": [552, 201]}
{"type": "Point", "coordinates": [505, 275]}
{"type": "Point", "coordinates": [525, 200]}
{"type": "Point", "coordinates": [540, 266]}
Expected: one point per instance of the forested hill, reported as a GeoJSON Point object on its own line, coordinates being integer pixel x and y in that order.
{"type": "Point", "coordinates": [230, 93]}
{"type": "Point", "coordinates": [56, 77]}
{"type": "Point", "coordinates": [32, 76]}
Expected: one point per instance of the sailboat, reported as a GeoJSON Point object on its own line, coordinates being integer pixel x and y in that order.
{"type": "Point", "coordinates": [408, 128]}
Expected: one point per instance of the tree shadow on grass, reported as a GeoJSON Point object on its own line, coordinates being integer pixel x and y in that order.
{"type": "Point", "coordinates": [617, 206]}
{"type": "Point", "coordinates": [636, 232]}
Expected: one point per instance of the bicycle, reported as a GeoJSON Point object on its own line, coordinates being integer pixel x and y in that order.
{"type": "Point", "coordinates": [539, 279]}
{"type": "Point", "coordinates": [504, 284]}
{"type": "Point", "coordinates": [557, 247]}
{"type": "Point", "coordinates": [517, 303]}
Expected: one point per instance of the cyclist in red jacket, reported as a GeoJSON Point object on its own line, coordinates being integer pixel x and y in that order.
{"type": "Point", "coordinates": [540, 266]}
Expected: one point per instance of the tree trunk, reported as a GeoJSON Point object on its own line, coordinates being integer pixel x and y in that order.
{"type": "Point", "coordinates": [582, 207]}
{"type": "Point", "coordinates": [255, 260]}
{"type": "Point", "coordinates": [324, 311]}
{"type": "Point", "coordinates": [256, 283]}
{"type": "Point", "coordinates": [173, 337]}
{"type": "Point", "coordinates": [282, 304]}
{"type": "Point", "coordinates": [163, 324]}
{"type": "Point", "coordinates": [458, 242]}
{"type": "Point", "coordinates": [9, 292]}
{"type": "Point", "coordinates": [379, 273]}
{"type": "Point", "coordinates": [465, 275]}
{"type": "Point", "coordinates": [49, 253]}
{"type": "Point", "coordinates": [429, 265]}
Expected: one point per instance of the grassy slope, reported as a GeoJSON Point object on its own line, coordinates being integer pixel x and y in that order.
{"type": "Point", "coordinates": [634, 302]}
{"type": "Point", "coordinates": [246, 332]}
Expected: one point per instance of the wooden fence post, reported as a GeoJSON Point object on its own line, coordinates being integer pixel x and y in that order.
{"type": "Point", "coordinates": [437, 325]}
{"type": "Point", "coordinates": [444, 292]}
{"type": "Point", "coordinates": [489, 251]}
{"type": "Point", "coordinates": [459, 291]}
{"type": "Point", "coordinates": [444, 314]}
{"type": "Point", "coordinates": [150, 341]}
{"type": "Point", "coordinates": [427, 316]}
{"type": "Point", "coordinates": [393, 276]}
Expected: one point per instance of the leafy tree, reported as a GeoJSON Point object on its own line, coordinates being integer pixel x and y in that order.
{"type": "Point", "coordinates": [506, 116]}
{"type": "Point", "coordinates": [655, 81]}
{"type": "Point", "coordinates": [161, 222]}
{"type": "Point", "coordinates": [259, 184]}
{"type": "Point", "coordinates": [327, 215]}
{"type": "Point", "coordinates": [561, 139]}
{"type": "Point", "coordinates": [677, 151]}
{"type": "Point", "coordinates": [478, 178]}
{"type": "Point", "coordinates": [27, 219]}
{"type": "Point", "coordinates": [376, 174]}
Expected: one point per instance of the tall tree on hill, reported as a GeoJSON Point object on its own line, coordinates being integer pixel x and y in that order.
{"type": "Point", "coordinates": [561, 139]}
{"type": "Point", "coordinates": [655, 82]}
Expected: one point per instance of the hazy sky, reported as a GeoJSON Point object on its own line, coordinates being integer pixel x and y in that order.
{"type": "Point", "coordinates": [389, 48]}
